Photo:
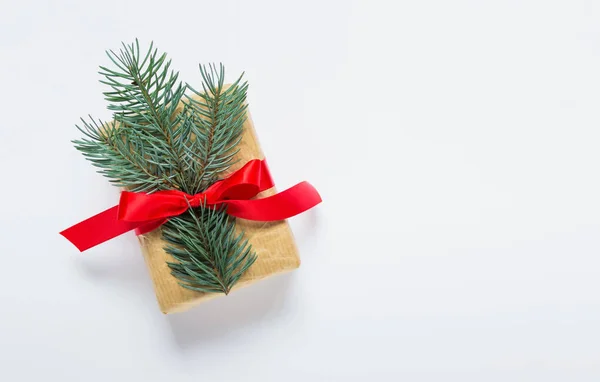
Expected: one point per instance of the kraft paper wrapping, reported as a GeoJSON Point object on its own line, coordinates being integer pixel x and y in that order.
{"type": "Point", "coordinates": [273, 243]}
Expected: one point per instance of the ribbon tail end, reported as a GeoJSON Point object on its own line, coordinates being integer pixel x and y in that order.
{"type": "Point", "coordinates": [66, 235]}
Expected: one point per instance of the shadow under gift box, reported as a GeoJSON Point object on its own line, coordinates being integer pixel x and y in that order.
{"type": "Point", "coordinates": [273, 243]}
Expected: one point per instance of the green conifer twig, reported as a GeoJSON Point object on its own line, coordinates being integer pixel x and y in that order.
{"type": "Point", "coordinates": [151, 147]}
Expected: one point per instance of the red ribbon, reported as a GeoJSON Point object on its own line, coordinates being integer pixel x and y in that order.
{"type": "Point", "coordinates": [145, 212]}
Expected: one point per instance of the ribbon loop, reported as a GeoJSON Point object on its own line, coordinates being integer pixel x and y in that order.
{"type": "Point", "coordinates": [145, 212]}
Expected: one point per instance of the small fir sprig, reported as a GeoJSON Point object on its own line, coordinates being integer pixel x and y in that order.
{"type": "Point", "coordinates": [161, 138]}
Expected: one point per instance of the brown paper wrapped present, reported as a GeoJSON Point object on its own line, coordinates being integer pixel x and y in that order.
{"type": "Point", "coordinates": [273, 243]}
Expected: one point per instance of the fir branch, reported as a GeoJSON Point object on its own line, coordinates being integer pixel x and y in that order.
{"type": "Point", "coordinates": [151, 147]}
{"type": "Point", "coordinates": [218, 116]}
{"type": "Point", "coordinates": [120, 156]}
{"type": "Point", "coordinates": [210, 256]}
{"type": "Point", "coordinates": [144, 96]}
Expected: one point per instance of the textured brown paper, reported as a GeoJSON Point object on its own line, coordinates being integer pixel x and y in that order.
{"type": "Point", "coordinates": [273, 242]}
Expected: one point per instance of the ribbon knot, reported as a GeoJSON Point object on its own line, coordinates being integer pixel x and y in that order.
{"type": "Point", "coordinates": [145, 212]}
{"type": "Point", "coordinates": [196, 200]}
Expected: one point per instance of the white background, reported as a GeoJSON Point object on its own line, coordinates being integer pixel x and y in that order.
{"type": "Point", "coordinates": [455, 145]}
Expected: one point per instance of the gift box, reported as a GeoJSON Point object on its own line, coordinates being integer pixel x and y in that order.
{"type": "Point", "coordinates": [273, 242]}
{"type": "Point", "coordinates": [196, 188]}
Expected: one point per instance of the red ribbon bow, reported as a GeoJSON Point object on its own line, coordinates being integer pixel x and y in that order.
{"type": "Point", "coordinates": [145, 212]}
